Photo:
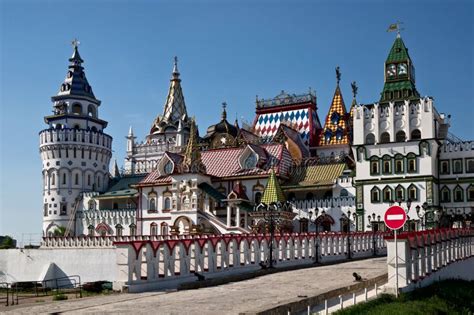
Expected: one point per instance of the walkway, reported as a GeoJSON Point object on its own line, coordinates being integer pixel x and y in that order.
{"type": "Point", "coordinates": [248, 296]}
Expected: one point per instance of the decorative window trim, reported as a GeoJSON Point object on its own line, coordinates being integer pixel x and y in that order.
{"type": "Point", "coordinates": [454, 166]}
{"type": "Point", "coordinates": [387, 199]}
{"type": "Point", "coordinates": [467, 165]}
{"type": "Point", "coordinates": [372, 191]}
{"type": "Point", "coordinates": [387, 160]}
{"type": "Point", "coordinates": [412, 158]}
{"type": "Point", "coordinates": [441, 197]}
{"type": "Point", "coordinates": [455, 195]}
{"type": "Point", "coordinates": [470, 189]}
{"type": "Point", "coordinates": [399, 159]}
{"type": "Point", "coordinates": [374, 161]}
{"type": "Point", "coordinates": [445, 162]}
{"type": "Point", "coordinates": [412, 188]}
{"type": "Point", "coordinates": [401, 189]}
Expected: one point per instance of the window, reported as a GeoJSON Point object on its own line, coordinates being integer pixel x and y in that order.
{"type": "Point", "coordinates": [469, 165]}
{"type": "Point", "coordinates": [387, 165]}
{"type": "Point", "coordinates": [344, 193]}
{"type": "Point", "coordinates": [164, 229]}
{"type": "Point", "coordinates": [250, 162]}
{"type": "Point", "coordinates": [370, 139]}
{"type": "Point", "coordinates": [152, 201]}
{"type": "Point", "coordinates": [416, 134]}
{"type": "Point", "coordinates": [400, 136]}
{"type": "Point", "coordinates": [411, 163]}
{"type": "Point", "coordinates": [375, 195]}
{"type": "Point", "coordinates": [45, 209]}
{"type": "Point", "coordinates": [90, 228]}
{"type": "Point", "coordinates": [167, 203]}
{"type": "Point", "coordinates": [168, 167]}
{"type": "Point", "coordinates": [91, 111]}
{"type": "Point", "coordinates": [53, 179]}
{"type": "Point", "coordinates": [399, 167]}
{"type": "Point", "coordinates": [91, 204]}
{"type": "Point", "coordinates": [258, 197]}
{"type": "Point", "coordinates": [457, 166]}
{"type": "Point", "coordinates": [399, 193]}
{"type": "Point", "coordinates": [64, 178]}
{"type": "Point", "coordinates": [387, 194]}
{"type": "Point", "coordinates": [327, 135]}
{"type": "Point", "coordinates": [470, 193]}
{"type": "Point", "coordinates": [88, 179]}
{"type": "Point", "coordinates": [444, 167]}
{"type": "Point", "coordinates": [77, 109]}
{"type": "Point", "coordinates": [153, 229]}
{"type": "Point", "coordinates": [374, 166]}
{"type": "Point", "coordinates": [385, 137]}
{"type": "Point", "coordinates": [445, 194]}
{"type": "Point", "coordinates": [133, 229]}
{"type": "Point", "coordinates": [76, 179]}
{"type": "Point", "coordinates": [339, 134]}
{"type": "Point", "coordinates": [335, 118]}
{"type": "Point", "coordinates": [412, 192]}
{"type": "Point", "coordinates": [118, 230]}
{"type": "Point", "coordinates": [458, 194]}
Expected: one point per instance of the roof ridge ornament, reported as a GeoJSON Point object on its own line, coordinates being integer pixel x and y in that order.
{"type": "Point", "coordinates": [354, 89]}
{"type": "Point", "coordinates": [338, 74]}
{"type": "Point", "coordinates": [175, 66]}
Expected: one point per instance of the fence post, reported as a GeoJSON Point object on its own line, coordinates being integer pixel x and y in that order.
{"type": "Point", "coordinates": [341, 302]}
{"type": "Point", "coordinates": [365, 294]}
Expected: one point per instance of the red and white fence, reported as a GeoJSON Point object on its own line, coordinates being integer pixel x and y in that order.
{"type": "Point", "coordinates": [424, 257]}
{"type": "Point", "coordinates": [151, 265]}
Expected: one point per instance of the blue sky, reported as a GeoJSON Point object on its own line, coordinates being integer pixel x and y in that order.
{"type": "Point", "coordinates": [228, 51]}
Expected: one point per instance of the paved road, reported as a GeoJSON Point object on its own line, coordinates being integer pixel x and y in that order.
{"type": "Point", "coordinates": [245, 296]}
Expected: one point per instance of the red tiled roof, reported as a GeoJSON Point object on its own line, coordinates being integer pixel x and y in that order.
{"type": "Point", "coordinates": [225, 163]}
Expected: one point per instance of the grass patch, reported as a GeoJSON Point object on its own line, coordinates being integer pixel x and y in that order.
{"type": "Point", "coordinates": [445, 297]}
{"type": "Point", "coordinates": [59, 297]}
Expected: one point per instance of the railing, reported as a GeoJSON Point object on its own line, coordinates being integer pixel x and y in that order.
{"type": "Point", "coordinates": [148, 265]}
{"type": "Point", "coordinates": [425, 254]}
{"type": "Point", "coordinates": [335, 202]}
{"type": "Point", "coordinates": [68, 135]}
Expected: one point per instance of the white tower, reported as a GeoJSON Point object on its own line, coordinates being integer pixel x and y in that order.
{"type": "Point", "coordinates": [74, 149]}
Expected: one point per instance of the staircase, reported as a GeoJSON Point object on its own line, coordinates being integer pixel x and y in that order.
{"type": "Point", "coordinates": [221, 226]}
{"type": "Point", "coordinates": [72, 218]}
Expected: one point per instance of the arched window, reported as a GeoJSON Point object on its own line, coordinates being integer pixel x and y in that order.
{"type": "Point", "coordinates": [387, 165]}
{"type": "Point", "coordinates": [385, 137]}
{"type": "Point", "coordinates": [133, 229]}
{"type": "Point", "coordinates": [445, 194]}
{"type": "Point", "coordinates": [370, 139]}
{"type": "Point", "coordinates": [399, 167]}
{"type": "Point", "coordinates": [91, 230]}
{"type": "Point", "coordinates": [470, 166]}
{"type": "Point", "coordinates": [400, 193]}
{"type": "Point", "coordinates": [400, 136]}
{"type": "Point", "coordinates": [88, 179]}
{"type": "Point", "coordinates": [91, 111]}
{"type": "Point", "coordinates": [164, 229]}
{"type": "Point", "coordinates": [470, 193]}
{"type": "Point", "coordinates": [327, 136]}
{"type": "Point", "coordinates": [153, 229]}
{"type": "Point", "coordinates": [258, 197]}
{"type": "Point", "coordinates": [59, 126]}
{"type": "Point", "coordinates": [412, 192]}
{"type": "Point", "coordinates": [387, 194]}
{"type": "Point", "coordinates": [77, 109]}
{"type": "Point", "coordinates": [167, 203]}
{"type": "Point", "coordinates": [53, 179]}
{"type": "Point", "coordinates": [168, 167]}
{"type": "Point", "coordinates": [374, 166]}
{"type": "Point", "coordinates": [98, 181]}
{"type": "Point", "coordinates": [118, 230]}
{"type": "Point", "coordinates": [335, 118]}
{"type": "Point", "coordinates": [339, 134]}
{"type": "Point", "coordinates": [411, 158]}
{"type": "Point", "coordinates": [91, 204]}
{"type": "Point", "coordinates": [152, 201]}
{"type": "Point", "coordinates": [416, 134]}
{"type": "Point", "coordinates": [344, 193]}
{"type": "Point", "coordinates": [375, 194]}
{"type": "Point", "coordinates": [458, 194]}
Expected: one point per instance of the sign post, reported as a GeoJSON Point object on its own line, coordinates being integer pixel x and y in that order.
{"type": "Point", "coordinates": [395, 218]}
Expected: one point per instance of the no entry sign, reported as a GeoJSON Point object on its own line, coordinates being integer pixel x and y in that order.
{"type": "Point", "coordinates": [395, 217]}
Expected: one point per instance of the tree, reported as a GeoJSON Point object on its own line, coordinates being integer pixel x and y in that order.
{"type": "Point", "coordinates": [7, 243]}
{"type": "Point", "coordinates": [59, 231]}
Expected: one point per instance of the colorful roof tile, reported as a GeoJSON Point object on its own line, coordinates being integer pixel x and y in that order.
{"type": "Point", "coordinates": [317, 175]}
{"type": "Point", "coordinates": [336, 129]}
{"type": "Point", "coordinates": [273, 192]}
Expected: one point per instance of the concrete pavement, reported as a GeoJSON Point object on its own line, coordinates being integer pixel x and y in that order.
{"type": "Point", "coordinates": [249, 296]}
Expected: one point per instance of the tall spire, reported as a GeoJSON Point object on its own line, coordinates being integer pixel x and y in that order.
{"type": "Point", "coordinates": [75, 83]}
{"type": "Point", "coordinates": [175, 107]}
{"type": "Point", "coordinates": [115, 171]}
{"type": "Point", "coordinates": [192, 162]}
{"type": "Point", "coordinates": [273, 192]}
{"type": "Point", "coordinates": [224, 113]}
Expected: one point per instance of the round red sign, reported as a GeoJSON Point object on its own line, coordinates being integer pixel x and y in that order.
{"type": "Point", "coordinates": [395, 217]}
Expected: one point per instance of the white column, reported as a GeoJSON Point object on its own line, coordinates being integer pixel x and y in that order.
{"type": "Point", "coordinates": [228, 215]}
{"type": "Point", "coordinates": [237, 216]}
{"type": "Point", "coordinates": [404, 263]}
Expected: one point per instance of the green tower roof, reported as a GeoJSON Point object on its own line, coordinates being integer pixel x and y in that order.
{"type": "Point", "coordinates": [399, 52]}
{"type": "Point", "coordinates": [273, 192]}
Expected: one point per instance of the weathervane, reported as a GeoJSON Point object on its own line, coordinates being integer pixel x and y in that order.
{"type": "Point", "coordinates": [354, 88]}
{"type": "Point", "coordinates": [75, 43]}
{"type": "Point", "coordinates": [395, 27]}
{"type": "Point", "coordinates": [338, 74]}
